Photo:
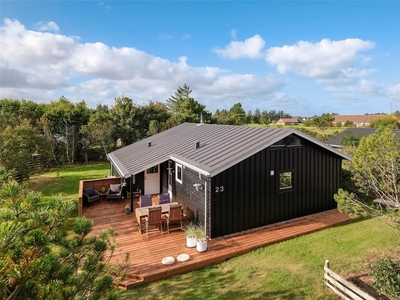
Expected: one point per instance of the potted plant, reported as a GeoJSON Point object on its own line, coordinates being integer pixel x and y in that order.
{"type": "Point", "coordinates": [201, 239]}
{"type": "Point", "coordinates": [103, 189]}
{"type": "Point", "coordinates": [191, 232]}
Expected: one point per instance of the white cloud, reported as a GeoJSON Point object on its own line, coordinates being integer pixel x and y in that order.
{"type": "Point", "coordinates": [186, 36]}
{"type": "Point", "coordinates": [234, 34]}
{"type": "Point", "coordinates": [362, 86]}
{"type": "Point", "coordinates": [394, 92]}
{"type": "Point", "coordinates": [322, 60]}
{"type": "Point", "coordinates": [24, 47]}
{"type": "Point", "coordinates": [43, 66]}
{"type": "Point", "coordinates": [250, 48]}
{"type": "Point", "coordinates": [47, 26]}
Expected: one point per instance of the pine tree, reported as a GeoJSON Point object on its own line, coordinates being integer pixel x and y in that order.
{"type": "Point", "coordinates": [40, 260]}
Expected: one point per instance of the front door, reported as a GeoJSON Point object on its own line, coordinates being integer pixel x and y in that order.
{"type": "Point", "coordinates": [152, 180]}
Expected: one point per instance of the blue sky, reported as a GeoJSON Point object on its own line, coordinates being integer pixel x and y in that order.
{"type": "Point", "coordinates": [303, 57]}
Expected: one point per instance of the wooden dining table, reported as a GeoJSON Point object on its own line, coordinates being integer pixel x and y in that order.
{"type": "Point", "coordinates": [141, 214]}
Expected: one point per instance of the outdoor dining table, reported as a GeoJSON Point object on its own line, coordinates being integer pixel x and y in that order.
{"type": "Point", "coordinates": [141, 214]}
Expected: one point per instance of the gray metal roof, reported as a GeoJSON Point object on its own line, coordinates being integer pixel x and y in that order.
{"type": "Point", "coordinates": [358, 132]}
{"type": "Point", "coordinates": [221, 146]}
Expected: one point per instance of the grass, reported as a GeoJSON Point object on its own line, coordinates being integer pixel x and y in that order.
{"type": "Point", "coordinates": [65, 182]}
{"type": "Point", "coordinates": [289, 270]}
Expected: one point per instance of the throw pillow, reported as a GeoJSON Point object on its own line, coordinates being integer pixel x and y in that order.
{"type": "Point", "coordinates": [115, 188]}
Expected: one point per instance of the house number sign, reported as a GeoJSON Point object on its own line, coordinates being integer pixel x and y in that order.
{"type": "Point", "coordinates": [219, 189]}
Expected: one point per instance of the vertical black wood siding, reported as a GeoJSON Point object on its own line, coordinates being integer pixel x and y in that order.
{"type": "Point", "coordinates": [251, 197]}
{"type": "Point", "coordinates": [191, 199]}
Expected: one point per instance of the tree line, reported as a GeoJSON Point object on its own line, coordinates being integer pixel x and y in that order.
{"type": "Point", "coordinates": [62, 132]}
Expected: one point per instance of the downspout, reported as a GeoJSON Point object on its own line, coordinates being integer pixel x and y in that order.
{"type": "Point", "coordinates": [205, 205]}
{"type": "Point", "coordinates": [131, 192]}
{"type": "Point", "coordinates": [205, 202]}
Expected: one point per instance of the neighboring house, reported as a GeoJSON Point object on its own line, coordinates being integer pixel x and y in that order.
{"type": "Point", "coordinates": [336, 141]}
{"type": "Point", "coordinates": [234, 178]}
{"type": "Point", "coordinates": [358, 120]}
{"type": "Point", "coordinates": [288, 121]}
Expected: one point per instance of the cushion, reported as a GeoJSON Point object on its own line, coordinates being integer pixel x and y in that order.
{"type": "Point", "coordinates": [115, 188]}
{"type": "Point", "coordinates": [168, 260]}
{"type": "Point", "coordinates": [163, 198]}
{"type": "Point", "coordinates": [183, 257]}
{"type": "Point", "coordinates": [145, 201]}
{"type": "Point", "coordinates": [89, 191]}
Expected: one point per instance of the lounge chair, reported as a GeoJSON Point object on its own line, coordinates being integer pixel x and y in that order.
{"type": "Point", "coordinates": [114, 192]}
{"type": "Point", "coordinates": [91, 195]}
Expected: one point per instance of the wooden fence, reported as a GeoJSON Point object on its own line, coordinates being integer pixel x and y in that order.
{"type": "Point", "coordinates": [345, 289]}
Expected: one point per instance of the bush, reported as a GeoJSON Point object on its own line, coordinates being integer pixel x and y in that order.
{"type": "Point", "coordinates": [386, 273]}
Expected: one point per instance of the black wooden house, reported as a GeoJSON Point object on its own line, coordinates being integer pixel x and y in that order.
{"type": "Point", "coordinates": [234, 178]}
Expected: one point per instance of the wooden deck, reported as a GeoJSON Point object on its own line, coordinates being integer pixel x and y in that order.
{"type": "Point", "coordinates": [146, 253]}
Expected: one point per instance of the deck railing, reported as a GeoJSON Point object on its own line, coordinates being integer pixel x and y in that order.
{"type": "Point", "coordinates": [97, 184]}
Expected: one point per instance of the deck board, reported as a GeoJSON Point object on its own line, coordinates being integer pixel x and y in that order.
{"type": "Point", "coordinates": [146, 253]}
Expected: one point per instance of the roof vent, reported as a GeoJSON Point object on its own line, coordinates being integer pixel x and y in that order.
{"type": "Point", "coordinates": [197, 145]}
{"type": "Point", "coordinates": [201, 118]}
{"type": "Point", "coordinates": [148, 144]}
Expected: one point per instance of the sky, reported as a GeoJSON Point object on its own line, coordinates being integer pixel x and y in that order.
{"type": "Point", "coordinates": [303, 57]}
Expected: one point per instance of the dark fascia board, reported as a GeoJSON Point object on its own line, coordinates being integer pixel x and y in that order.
{"type": "Point", "coordinates": [126, 174]}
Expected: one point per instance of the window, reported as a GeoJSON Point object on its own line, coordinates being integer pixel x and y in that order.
{"type": "Point", "coordinates": [292, 140]}
{"type": "Point", "coordinates": [178, 173]}
{"type": "Point", "coordinates": [285, 180]}
{"type": "Point", "coordinates": [288, 141]}
{"type": "Point", "coordinates": [152, 170]}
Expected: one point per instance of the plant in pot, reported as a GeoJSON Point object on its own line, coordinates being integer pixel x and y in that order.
{"type": "Point", "coordinates": [127, 209]}
{"type": "Point", "coordinates": [103, 189]}
{"type": "Point", "coordinates": [201, 239]}
{"type": "Point", "coordinates": [191, 233]}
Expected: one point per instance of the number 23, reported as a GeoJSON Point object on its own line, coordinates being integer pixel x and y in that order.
{"type": "Point", "coordinates": [219, 189]}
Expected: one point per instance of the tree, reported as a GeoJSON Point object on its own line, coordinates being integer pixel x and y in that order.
{"type": "Point", "coordinates": [323, 122]}
{"type": "Point", "coordinates": [237, 115]}
{"type": "Point", "coordinates": [265, 118]}
{"type": "Point", "coordinates": [256, 116]}
{"type": "Point", "coordinates": [123, 114]}
{"type": "Point", "coordinates": [185, 109]}
{"type": "Point", "coordinates": [17, 144]}
{"type": "Point", "coordinates": [66, 121]}
{"type": "Point", "coordinates": [100, 129]}
{"type": "Point", "coordinates": [376, 172]}
{"type": "Point", "coordinates": [220, 117]}
{"type": "Point", "coordinates": [40, 260]}
{"type": "Point", "coordinates": [174, 102]}
{"type": "Point", "coordinates": [388, 121]}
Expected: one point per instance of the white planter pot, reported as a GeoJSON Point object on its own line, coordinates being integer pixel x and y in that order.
{"type": "Point", "coordinates": [201, 246]}
{"type": "Point", "coordinates": [190, 242]}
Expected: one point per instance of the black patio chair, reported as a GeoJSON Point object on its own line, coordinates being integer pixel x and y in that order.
{"type": "Point", "coordinates": [91, 195]}
{"type": "Point", "coordinates": [114, 192]}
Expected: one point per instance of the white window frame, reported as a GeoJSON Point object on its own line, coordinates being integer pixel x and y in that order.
{"type": "Point", "coordinates": [176, 173]}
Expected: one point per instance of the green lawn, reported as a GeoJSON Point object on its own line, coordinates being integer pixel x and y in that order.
{"type": "Point", "coordinates": [288, 270]}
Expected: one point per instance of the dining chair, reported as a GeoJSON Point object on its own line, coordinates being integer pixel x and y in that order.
{"type": "Point", "coordinates": [174, 215]}
{"type": "Point", "coordinates": [154, 219]}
